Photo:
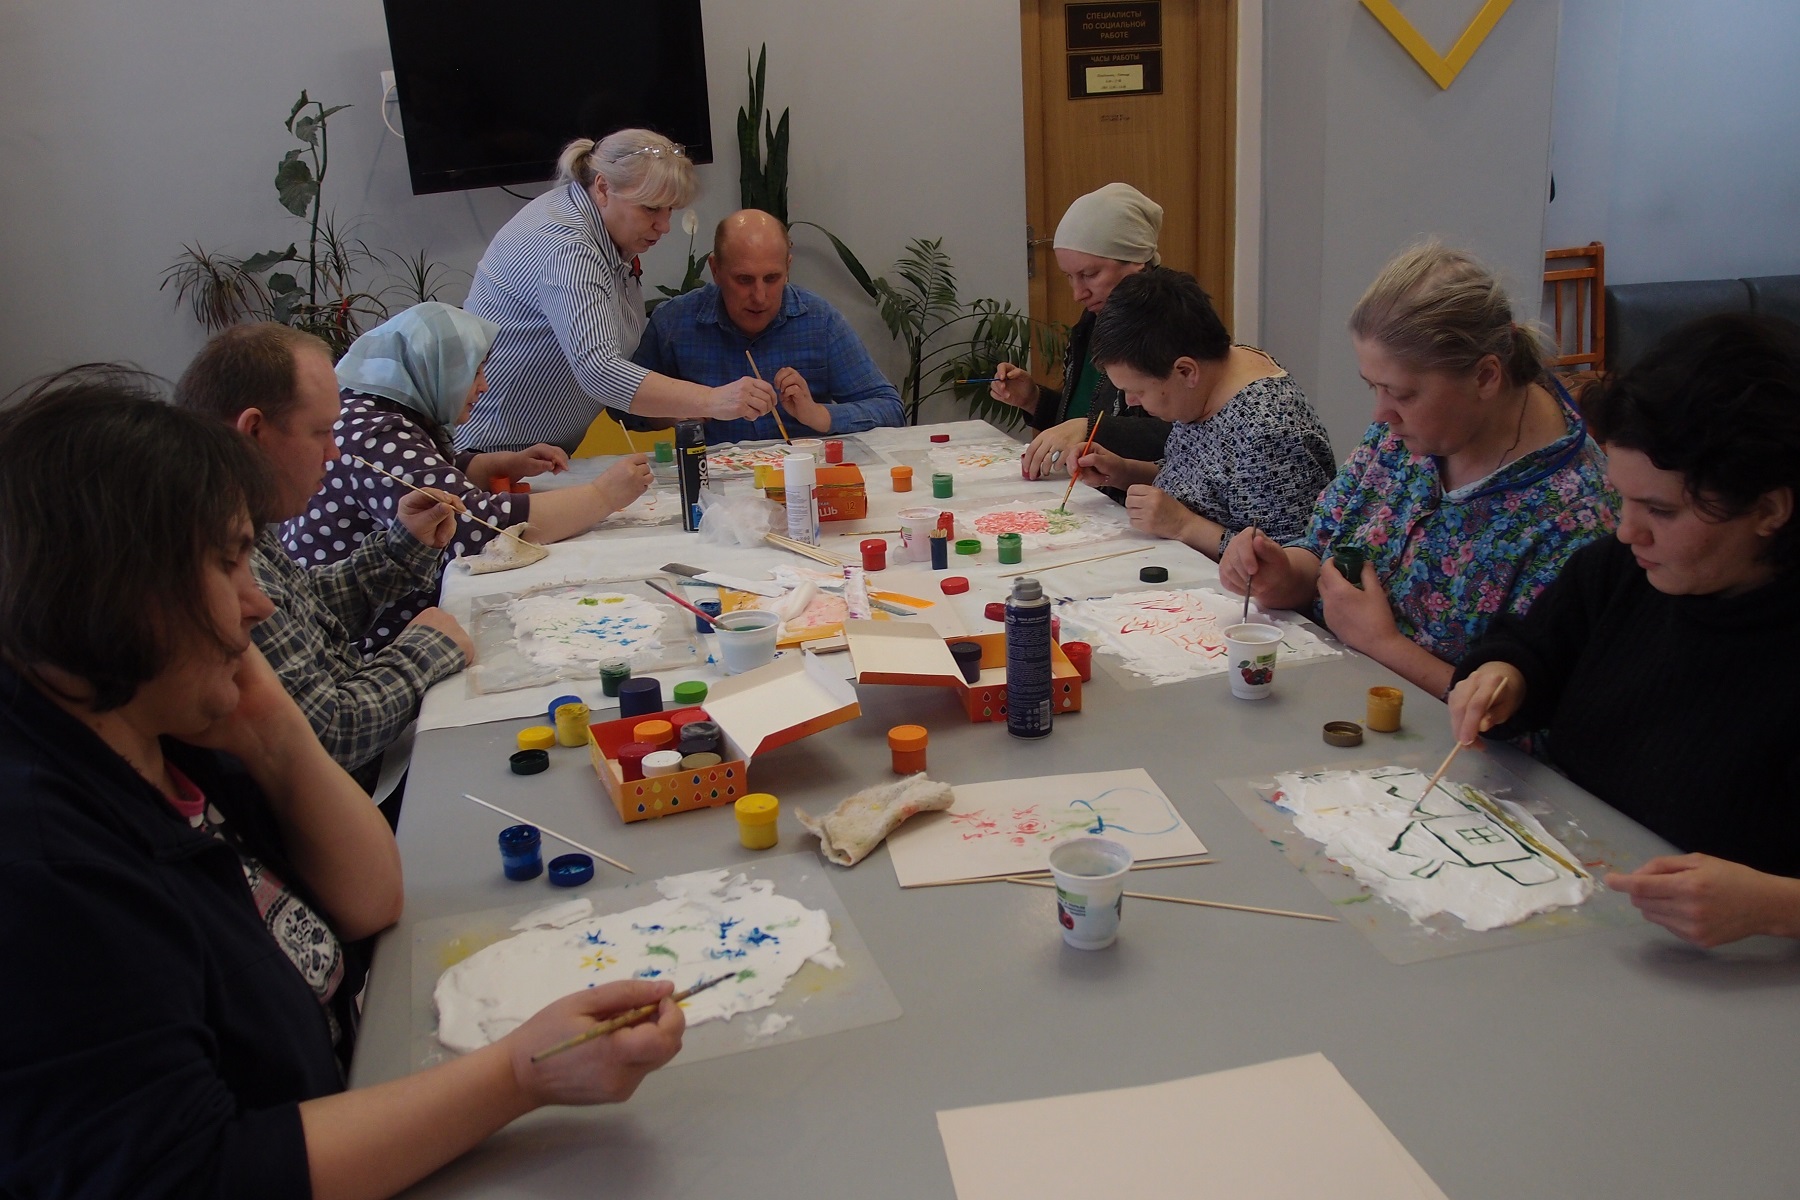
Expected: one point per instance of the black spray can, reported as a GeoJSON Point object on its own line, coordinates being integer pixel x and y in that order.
{"type": "Point", "coordinates": [1029, 697]}
{"type": "Point", "coordinates": [690, 465]}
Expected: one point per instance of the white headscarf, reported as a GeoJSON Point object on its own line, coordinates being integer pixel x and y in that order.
{"type": "Point", "coordinates": [1117, 222]}
{"type": "Point", "coordinates": [424, 358]}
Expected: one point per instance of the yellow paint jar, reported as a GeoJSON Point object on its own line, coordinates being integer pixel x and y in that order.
{"type": "Point", "coordinates": [1384, 709]}
{"type": "Point", "coordinates": [572, 725]}
{"type": "Point", "coordinates": [756, 814]}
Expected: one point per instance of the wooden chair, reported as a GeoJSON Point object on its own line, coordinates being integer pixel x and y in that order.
{"type": "Point", "coordinates": [1577, 302]}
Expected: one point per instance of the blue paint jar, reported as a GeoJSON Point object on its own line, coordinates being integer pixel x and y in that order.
{"type": "Point", "coordinates": [521, 852]}
{"type": "Point", "coordinates": [640, 695]}
{"type": "Point", "coordinates": [711, 608]}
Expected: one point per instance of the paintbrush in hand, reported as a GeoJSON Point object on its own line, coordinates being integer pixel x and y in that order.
{"type": "Point", "coordinates": [777, 409]}
{"type": "Point", "coordinates": [1252, 579]}
{"type": "Point", "coordinates": [1075, 467]}
{"type": "Point", "coordinates": [456, 505]}
{"type": "Point", "coordinates": [631, 1016]}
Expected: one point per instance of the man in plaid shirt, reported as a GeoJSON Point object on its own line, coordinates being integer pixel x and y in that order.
{"type": "Point", "coordinates": [276, 385]}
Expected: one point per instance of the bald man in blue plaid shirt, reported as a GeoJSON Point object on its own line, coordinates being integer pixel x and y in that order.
{"type": "Point", "coordinates": [819, 368]}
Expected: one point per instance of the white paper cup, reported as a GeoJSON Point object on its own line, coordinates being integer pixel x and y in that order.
{"type": "Point", "coordinates": [747, 639]}
{"type": "Point", "coordinates": [1090, 890]}
{"type": "Point", "coordinates": [1251, 649]}
{"type": "Point", "coordinates": [916, 525]}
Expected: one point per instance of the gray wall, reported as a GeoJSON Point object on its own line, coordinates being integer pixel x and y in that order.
{"type": "Point", "coordinates": [1676, 137]}
{"type": "Point", "coordinates": [128, 129]}
{"type": "Point", "coordinates": [1364, 154]}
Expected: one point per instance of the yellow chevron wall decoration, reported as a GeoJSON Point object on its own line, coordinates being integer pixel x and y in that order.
{"type": "Point", "coordinates": [1443, 68]}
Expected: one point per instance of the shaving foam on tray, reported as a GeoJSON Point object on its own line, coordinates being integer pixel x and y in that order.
{"type": "Point", "coordinates": [856, 593]}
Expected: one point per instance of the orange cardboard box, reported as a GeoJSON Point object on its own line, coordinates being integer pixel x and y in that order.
{"type": "Point", "coordinates": [842, 495]}
{"type": "Point", "coordinates": [756, 711]}
{"type": "Point", "coordinates": [913, 655]}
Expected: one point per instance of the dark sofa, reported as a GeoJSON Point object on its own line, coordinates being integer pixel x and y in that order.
{"type": "Point", "coordinates": [1637, 314]}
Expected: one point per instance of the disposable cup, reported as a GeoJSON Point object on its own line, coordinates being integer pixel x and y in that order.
{"type": "Point", "coordinates": [1252, 648]}
{"type": "Point", "coordinates": [747, 639]}
{"type": "Point", "coordinates": [1090, 890]}
{"type": "Point", "coordinates": [916, 525]}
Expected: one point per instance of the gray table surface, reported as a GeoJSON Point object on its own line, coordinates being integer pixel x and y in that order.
{"type": "Point", "coordinates": [1617, 1063]}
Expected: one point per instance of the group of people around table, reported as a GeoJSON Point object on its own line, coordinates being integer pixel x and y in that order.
{"type": "Point", "coordinates": [216, 614]}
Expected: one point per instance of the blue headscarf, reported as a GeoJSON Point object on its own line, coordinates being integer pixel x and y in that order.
{"type": "Point", "coordinates": [424, 358]}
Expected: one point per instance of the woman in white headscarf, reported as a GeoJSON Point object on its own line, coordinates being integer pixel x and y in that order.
{"type": "Point", "coordinates": [1105, 236]}
{"type": "Point", "coordinates": [405, 386]}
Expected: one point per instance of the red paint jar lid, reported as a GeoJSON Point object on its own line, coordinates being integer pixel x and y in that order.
{"type": "Point", "coordinates": [940, 437]}
{"type": "Point", "coordinates": [995, 610]}
{"type": "Point", "coordinates": [956, 585]}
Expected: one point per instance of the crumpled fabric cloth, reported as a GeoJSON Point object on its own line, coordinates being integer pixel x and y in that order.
{"type": "Point", "coordinates": [859, 823]}
{"type": "Point", "coordinates": [501, 553]}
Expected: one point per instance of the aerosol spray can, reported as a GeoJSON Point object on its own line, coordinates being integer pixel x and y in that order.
{"type": "Point", "coordinates": [800, 477]}
{"type": "Point", "coordinates": [1029, 696]}
{"type": "Point", "coordinates": [690, 463]}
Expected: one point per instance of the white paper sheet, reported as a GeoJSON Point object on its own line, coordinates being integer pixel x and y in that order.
{"type": "Point", "coordinates": [1276, 1131]}
{"type": "Point", "coordinates": [1010, 826]}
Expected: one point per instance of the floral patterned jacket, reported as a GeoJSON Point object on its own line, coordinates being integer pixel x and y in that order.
{"type": "Point", "coordinates": [1452, 561]}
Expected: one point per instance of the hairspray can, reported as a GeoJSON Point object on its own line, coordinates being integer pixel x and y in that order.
{"type": "Point", "coordinates": [690, 463]}
{"type": "Point", "coordinates": [1029, 697]}
{"type": "Point", "coordinates": [800, 476]}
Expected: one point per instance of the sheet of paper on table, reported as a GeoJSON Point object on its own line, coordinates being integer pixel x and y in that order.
{"type": "Point", "coordinates": [1293, 1127]}
{"type": "Point", "coordinates": [1010, 825]}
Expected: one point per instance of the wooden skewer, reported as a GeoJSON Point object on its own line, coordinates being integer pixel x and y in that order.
{"type": "Point", "coordinates": [1273, 912]}
{"type": "Point", "coordinates": [457, 505]}
{"type": "Point", "coordinates": [1247, 585]}
{"type": "Point", "coordinates": [779, 423]}
{"type": "Point", "coordinates": [1457, 749]}
{"type": "Point", "coordinates": [546, 829]}
{"type": "Point", "coordinates": [631, 1016]}
{"type": "Point", "coordinates": [863, 532]}
{"type": "Point", "coordinates": [1145, 866]}
{"type": "Point", "coordinates": [1074, 562]}
{"type": "Point", "coordinates": [693, 608]}
{"type": "Point", "coordinates": [1075, 467]}
{"type": "Point", "coordinates": [801, 548]}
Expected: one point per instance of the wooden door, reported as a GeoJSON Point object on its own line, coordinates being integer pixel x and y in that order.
{"type": "Point", "coordinates": [1145, 95]}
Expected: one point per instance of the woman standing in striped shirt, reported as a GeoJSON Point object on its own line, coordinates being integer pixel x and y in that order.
{"type": "Point", "coordinates": [560, 280]}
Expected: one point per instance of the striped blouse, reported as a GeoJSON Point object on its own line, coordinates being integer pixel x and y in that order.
{"type": "Point", "coordinates": [570, 313]}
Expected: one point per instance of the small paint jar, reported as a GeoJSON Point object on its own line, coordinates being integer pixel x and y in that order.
{"type": "Point", "coordinates": [1385, 703]}
{"type": "Point", "coordinates": [902, 477]}
{"type": "Point", "coordinates": [1349, 563]}
{"type": "Point", "coordinates": [874, 554]}
{"type": "Point", "coordinates": [521, 488]}
{"type": "Point", "coordinates": [940, 438]}
{"type": "Point", "coordinates": [537, 737]}
{"type": "Point", "coordinates": [661, 762]}
{"type": "Point", "coordinates": [995, 610]}
{"type": "Point", "coordinates": [658, 734]}
{"type": "Point", "coordinates": [834, 451]}
{"type": "Point", "coordinates": [1012, 547]}
{"type": "Point", "coordinates": [940, 550]}
{"type": "Point", "coordinates": [712, 608]}
{"type": "Point", "coordinates": [756, 818]}
{"type": "Point", "coordinates": [1056, 630]}
{"type": "Point", "coordinates": [521, 852]}
{"type": "Point", "coordinates": [943, 485]}
{"type": "Point", "coordinates": [613, 672]}
{"type": "Point", "coordinates": [631, 760]}
{"type": "Point", "coordinates": [968, 659]}
{"type": "Point", "coordinates": [1081, 657]}
{"type": "Point", "coordinates": [572, 724]}
{"type": "Point", "coordinates": [664, 452]}
{"type": "Point", "coordinates": [701, 737]}
{"type": "Point", "coordinates": [499, 485]}
{"type": "Point", "coordinates": [947, 523]}
{"type": "Point", "coordinates": [550, 713]}
{"type": "Point", "coordinates": [690, 691]}
{"type": "Point", "coordinates": [968, 545]}
{"type": "Point", "coordinates": [640, 697]}
{"type": "Point", "coordinates": [696, 762]}
{"type": "Point", "coordinates": [907, 744]}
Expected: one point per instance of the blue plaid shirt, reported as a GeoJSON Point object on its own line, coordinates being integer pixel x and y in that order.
{"type": "Point", "coordinates": [692, 338]}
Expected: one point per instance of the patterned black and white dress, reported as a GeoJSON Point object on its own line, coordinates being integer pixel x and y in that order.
{"type": "Point", "coordinates": [1260, 460]}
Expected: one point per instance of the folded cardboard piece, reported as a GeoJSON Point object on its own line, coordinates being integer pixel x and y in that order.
{"type": "Point", "coordinates": [914, 655]}
{"type": "Point", "coordinates": [840, 490]}
{"type": "Point", "coordinates": [756, 712]}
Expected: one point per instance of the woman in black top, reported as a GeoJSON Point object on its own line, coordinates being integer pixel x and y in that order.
{"type": "Point", "coordinates": [1105, 236]}
{"type": "Point", "coordinates": [1662, 660]}
{"type": "Point", "coordinates": [184, 863]}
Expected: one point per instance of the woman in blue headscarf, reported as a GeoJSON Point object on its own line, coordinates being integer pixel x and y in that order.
{"type": "Point", "coordinates": [405, 386]}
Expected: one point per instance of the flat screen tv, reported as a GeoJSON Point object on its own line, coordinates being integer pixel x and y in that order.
{"type": "Point", "coordinates": [490, 93]}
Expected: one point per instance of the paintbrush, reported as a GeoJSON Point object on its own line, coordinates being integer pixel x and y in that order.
{"type": "Point", "coordinates": [983, 379]}
{"type": "Point", "coordinates": [546, 829]}
{"type": "Point", "coordinates": [1075, 467]}
{"type": "Point", "coordinates": [1457, 749]}
{"type": "Point", "coordinates": [696, 610]}
{"type": "Point", "coordinates": [455, 504]}
{"type": "Point", "coordinates": [1247, 582]}
{"type": "Point", "coordinates": [776, 411]}
{"type": "Point", "coordinates": [1273, 912]}
{"type": "Point", "coordinates": [631, 1016]}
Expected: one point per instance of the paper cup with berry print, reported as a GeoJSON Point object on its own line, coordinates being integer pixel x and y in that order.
{"type": "Point", "coordinates": [1089, 873]}
{"type": "Point", "coordinates": [1251, 650]}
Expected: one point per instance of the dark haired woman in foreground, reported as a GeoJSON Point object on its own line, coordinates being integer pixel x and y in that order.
{"type": "Point", "coordinates": [1663, 660]}
{"type": "Point", "coordinates": [184, 862]}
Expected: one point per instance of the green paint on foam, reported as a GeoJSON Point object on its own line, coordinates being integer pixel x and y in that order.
{"type": "Point", "coordinates": [662, 950]}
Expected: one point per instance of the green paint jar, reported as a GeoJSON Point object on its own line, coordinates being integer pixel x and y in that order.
{"type": "Point", "coordinates": [613, 672]}
{"type": "Point", "coordinates": [942, 485]}
{"type": "Point", "coordinates": [968, 545]}
{"type": "Point", "coordinates": [1012, 547]}
{"type": "Point", "coordinates": [1349, 562]}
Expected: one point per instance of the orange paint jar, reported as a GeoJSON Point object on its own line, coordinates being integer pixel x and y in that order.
{"type": "Point", "coordinates": [658, 733]}
{"type": "Point", "coordinates": [902, 477]}
{"type": "Point", "coordinates": [907, 742]}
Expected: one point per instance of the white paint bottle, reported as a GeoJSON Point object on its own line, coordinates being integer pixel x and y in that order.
{"type": "Point", "coordinates": [800, 476]}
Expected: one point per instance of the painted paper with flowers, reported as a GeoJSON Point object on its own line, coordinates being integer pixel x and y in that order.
{"type": "Point", "coordinates": [1452, 561]}
{"type": "Point", "coordinates": [979, 460]}
{"type": "Point", "coordinates": [1009, 826]}
{"type": "Point", "coordinates": [1173, 634]}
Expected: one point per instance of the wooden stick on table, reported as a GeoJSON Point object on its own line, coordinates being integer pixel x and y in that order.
{"type": "Point", "coordinates": [779, 424]}
{"type": "Point", "coordinates": [1074, 562]}
{"type": "Point", "coordinates": [546, 829]}
{"type": "Point", "coordinates": [460, 508]}
{"type": "Point", "coordinates": [1273, 912]}
{"type": "Point", "coordinates": [812, 552]}
{"type": "Point", "coordinates": [1145, 866]}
